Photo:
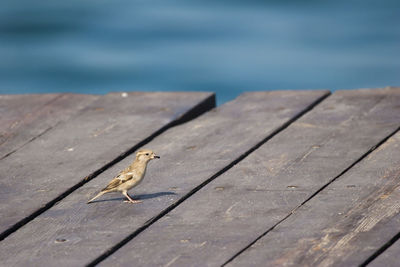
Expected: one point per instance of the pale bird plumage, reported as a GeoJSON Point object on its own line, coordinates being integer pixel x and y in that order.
{"type": "Point", "coordinates": [129, 177]}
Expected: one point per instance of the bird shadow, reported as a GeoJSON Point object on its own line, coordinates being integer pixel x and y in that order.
{"type": "Point", "coordinates": [137, 197]}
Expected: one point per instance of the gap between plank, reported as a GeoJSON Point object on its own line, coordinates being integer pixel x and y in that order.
{"type": "Point", "coordinates": [381, 250]}
{"type": "Point", "coordinates": [206, 105]}
{"type": "Point", "coordinates": [29, 141]}
{"type": "Point", "coordinates": [38, 135]}
{"type": "Point", "coordinates": [207, 181]}
{"type": "Point", "coordinates": [316, 193]}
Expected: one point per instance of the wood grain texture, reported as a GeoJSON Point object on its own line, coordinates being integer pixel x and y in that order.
{"type": "Point", "coordinates": [25, 117]}
{"type": "Point", "coordinates": [46, 167]}
{"type": "Point", "coordinates": [75, 233]}
{"type": "Point", "coordinates": [345, 223]}
{"type": "Point", "coordinates": [233, 210]}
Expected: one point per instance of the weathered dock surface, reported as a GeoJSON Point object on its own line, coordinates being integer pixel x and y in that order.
{"type": "Point", "coordinates": [282, 178]}
{"type": "Point", "coordinates": [25, 117]}
{"type": "Point", "coordinates": [75, 151]}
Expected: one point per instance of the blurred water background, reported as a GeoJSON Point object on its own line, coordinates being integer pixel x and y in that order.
{"type": "Point", "coordinates": [223, 46]}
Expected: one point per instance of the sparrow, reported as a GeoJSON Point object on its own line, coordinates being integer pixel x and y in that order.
{"type": "Point", "coordinates": [129, 177]}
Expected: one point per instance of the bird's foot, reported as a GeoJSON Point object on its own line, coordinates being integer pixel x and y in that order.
{"type": "Point", "coordinates": [133, 201]}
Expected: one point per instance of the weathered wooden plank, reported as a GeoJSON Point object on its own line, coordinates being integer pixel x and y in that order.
{"type": "Point", "coordinates": [235, 209]}
{"type": "Point", "coordinates": [390, 257]}
{"type": "Point", "coordinates": [24, 117]}
{"type": "Point", "coordinates": [345, 223]}
{"type": "Point", "coordinates": [191, 154]}
{"type": "Point", "coordinates": [103, 131]}
{"type": "Point", "coordinates": [14, 108]}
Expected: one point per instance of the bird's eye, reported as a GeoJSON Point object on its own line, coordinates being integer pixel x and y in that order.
{"type": "Point", "coordinates": [147, 154]}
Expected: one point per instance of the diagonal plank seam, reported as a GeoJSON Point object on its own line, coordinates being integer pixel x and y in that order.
{"type": "Point", "coordinates": [29, 141]}
{"type": "Point", "coordinates": [207, 181]}
{"type": "Point", "coordinates": [40, 134]}
{"type": "Point", "coordinates": [381, 250]}
{"type": "Point", "coordinates": [204, 106]}
{"type": "Point", "coordinates": [316, 193]}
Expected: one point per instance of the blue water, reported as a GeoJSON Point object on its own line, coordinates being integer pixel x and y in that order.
{"type": "Point", "coordinates": [224, 46]}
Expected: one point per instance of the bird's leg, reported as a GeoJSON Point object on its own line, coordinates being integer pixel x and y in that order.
{"type": "Point", "coordinates": [130, 200]}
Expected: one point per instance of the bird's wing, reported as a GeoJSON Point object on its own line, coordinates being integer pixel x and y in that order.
{"type": "Point", "coordinates": [121, 178]}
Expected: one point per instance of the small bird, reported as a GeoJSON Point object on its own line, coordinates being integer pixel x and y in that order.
{"type": "Point", "coordinates": [130, 177]}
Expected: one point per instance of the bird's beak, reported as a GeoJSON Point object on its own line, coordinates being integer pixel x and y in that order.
{"type": "Point", "coordinates": [156, 157]}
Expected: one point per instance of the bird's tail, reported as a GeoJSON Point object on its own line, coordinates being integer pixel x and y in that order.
{"type": "Point", "coordinates": [98, 195]}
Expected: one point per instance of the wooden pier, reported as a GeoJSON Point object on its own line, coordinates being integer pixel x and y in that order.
{"type": "Point", "coordinates": [275, 178]}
